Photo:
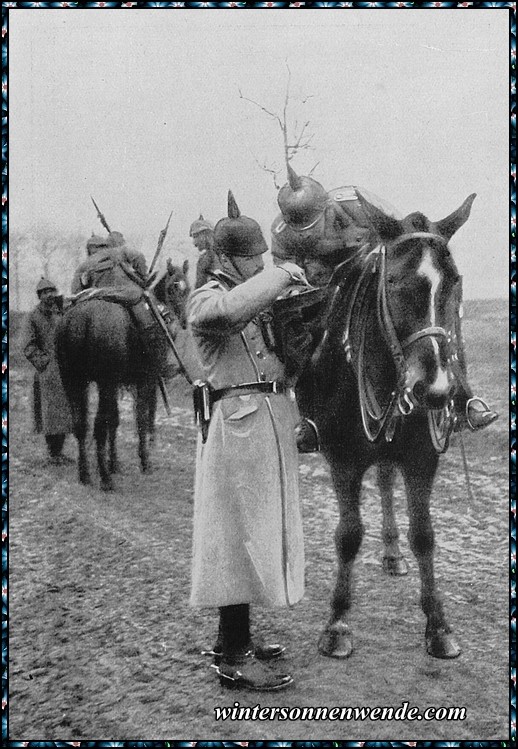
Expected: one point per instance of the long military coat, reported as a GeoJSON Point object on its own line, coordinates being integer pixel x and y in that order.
{"type": "Point", "coordinates": [248, 545]}
{"type": "Point", "coordinates": [55, 416]}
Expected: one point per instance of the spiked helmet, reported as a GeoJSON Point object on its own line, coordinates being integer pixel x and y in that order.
{"type": "Point", "coordinates": [200, 225]}
{"type": "Point", "coordinates": [238, 235]}
{"type": "Point", "coordinates": [45, 285]}
{"type": "Point", "coordinates": [115, 239]}
{"type": "Point", "coordinates": [302, 201]}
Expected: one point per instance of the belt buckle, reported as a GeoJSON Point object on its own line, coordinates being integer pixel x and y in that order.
{"type": "Point", "coordinates": [275, 387]}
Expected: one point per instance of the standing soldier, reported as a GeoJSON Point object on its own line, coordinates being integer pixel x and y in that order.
{"type": "Point", "coordinates": [248, 545]}
{"type": "Point", "coordinates": [202, 234]}
{"type": "Point", "coordinates": [51, 411]}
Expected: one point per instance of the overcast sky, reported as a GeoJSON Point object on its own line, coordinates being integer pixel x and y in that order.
{"type": "Point", "coordinates": [141, 109]}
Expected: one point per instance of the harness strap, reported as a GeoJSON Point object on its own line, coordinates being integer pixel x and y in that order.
{"type": "Point", "coordinates": [386, 323]}
{"type": "Point", "coordinates": [417, 235]}
{"type": "Point", "coordinates": [436, 332]}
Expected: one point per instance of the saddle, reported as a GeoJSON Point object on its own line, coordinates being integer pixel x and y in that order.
{"type": "Point", "coordinates": [125, 296]}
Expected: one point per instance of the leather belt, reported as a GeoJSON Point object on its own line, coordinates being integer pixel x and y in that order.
{"type": "Point", "coordinates": [248, 388]}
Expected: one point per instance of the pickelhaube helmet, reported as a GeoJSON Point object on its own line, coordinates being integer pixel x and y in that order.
{"type": "Point", "coordinates": [238, 235]}
{"type": "Point", "coordinates": [96, 241]}
{"type": "Point", "coordinates": [115, 239]}
{"type": "Point", "coordinates": [45, 285]}
{"type": "Point", "coordinates": [302, 201]}
{"type": "Point", "coordinates": [199, 225]}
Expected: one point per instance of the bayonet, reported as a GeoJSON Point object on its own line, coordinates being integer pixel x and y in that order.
{"type": "Point", "coordinates": [161, 239]}
{"type": "Point", "coordinates": [101, 217]}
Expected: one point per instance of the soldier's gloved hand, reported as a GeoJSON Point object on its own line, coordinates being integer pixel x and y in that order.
{"type": "Point", "coordinates": [295, 272]}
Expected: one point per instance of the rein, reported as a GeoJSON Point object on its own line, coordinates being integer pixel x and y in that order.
{"type": "Point", "coordinates": [378, 418]}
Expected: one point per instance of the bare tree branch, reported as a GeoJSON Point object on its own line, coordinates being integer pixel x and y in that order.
{"type": "Point", "coordinates": [300, 139]}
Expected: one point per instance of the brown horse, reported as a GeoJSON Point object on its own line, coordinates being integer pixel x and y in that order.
{"type": "Point", "coordinates": [379, 389]}
{"type": "Point", "coordinates": [98, 341]}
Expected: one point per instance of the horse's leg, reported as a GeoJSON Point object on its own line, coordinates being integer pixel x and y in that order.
{"type": "Point", "coordinates": [77, 394]}
{"type": "Point", "coordinates": [142, 398]}
{"type": "Point", "coordinates": [419, 474]}
{"type": "Point", "coordinates": [393, 561]}
{"type": "Point", "coordinates": [113, 424]}
{"type": "Point", "coordinates": [106, 422]}
{"type": "Point", "coordinates": [152, 406]}
{"type": "Point", "coordinates": [336, 640]}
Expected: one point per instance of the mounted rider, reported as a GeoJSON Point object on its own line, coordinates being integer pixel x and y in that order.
{"type": "Point", "coordinates": [118, 274]}
{"type": "Point", "coordinates": [319, 230]}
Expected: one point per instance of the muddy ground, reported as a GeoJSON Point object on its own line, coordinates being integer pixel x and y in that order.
{"type": "Point", "coordinates": [103, 645]}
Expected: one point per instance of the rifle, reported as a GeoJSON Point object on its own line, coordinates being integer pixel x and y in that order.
{"type": "Point", "coordinates": [101, 217]}
{"type": "Point", "coordinates": [161, 239]}
{"type": "Point", "coordinates": [160, 320]}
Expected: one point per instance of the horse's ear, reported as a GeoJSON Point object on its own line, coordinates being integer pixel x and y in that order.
{"type": "Point", "coordinates": [185, 267]}
{"type": "Point", "coordinates": [452, 223]}
{"type": "Point", "coordinates": [386, 226]}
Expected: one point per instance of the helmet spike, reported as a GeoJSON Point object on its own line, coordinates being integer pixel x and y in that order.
{"type": "Point", "coordinates": [293, 178]}
{"type": "Point", "coordinates": [233, 208]}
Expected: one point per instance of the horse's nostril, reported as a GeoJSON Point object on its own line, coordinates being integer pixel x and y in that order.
{"type": "Point", "coordinates": [418, 390]}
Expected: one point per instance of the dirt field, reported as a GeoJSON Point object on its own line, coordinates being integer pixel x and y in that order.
{"type": "Point", "coordinates": [103, 645]}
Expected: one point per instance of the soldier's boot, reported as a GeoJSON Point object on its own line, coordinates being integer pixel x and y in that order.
{"type": "Point", "coordinates": [245, 671]}
{"type": "Point", "coordinates": [237, 666]}
{"type": "Point", "coordinates": [471, 411]}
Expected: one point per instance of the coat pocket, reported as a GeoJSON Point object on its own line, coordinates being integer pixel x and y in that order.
{"type": "Point", "coordinates": [235, 409]}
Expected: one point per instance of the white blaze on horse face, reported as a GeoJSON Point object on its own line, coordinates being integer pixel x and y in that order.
{"type": "Point", "coordinates": [429, 271]}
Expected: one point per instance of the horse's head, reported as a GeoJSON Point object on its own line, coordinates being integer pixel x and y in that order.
{"type": "Point", "coordinates": [419, 292]}
{"type": "Point", "coordinates": [173, 290]}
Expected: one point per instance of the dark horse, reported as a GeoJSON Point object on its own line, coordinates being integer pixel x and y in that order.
{"type": "Point", "coordinates": [98, 341]}
{"type": "Point", "coordinates": [379, 389]}
{"type": "Point", "coordinates": [172, 289]}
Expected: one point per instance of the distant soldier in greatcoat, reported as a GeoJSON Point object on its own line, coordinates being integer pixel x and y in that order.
{"type": "Point", "coordinates": [248, 545]}
{"type": "Point", "coordinates": [51, 413]}
{"type": "Point", "coordinates": [202, 234]}
{"type": "Point", "coordinates": [321, 229]}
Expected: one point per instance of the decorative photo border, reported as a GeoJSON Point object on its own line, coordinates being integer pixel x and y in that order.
{"type": "Point", "coordinates": [10, 7]}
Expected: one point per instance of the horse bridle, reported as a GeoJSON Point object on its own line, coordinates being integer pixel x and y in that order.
{"type": "Point", "coordinates": [405, 403]}
{"type": "Point", "coordinates": [374, 417]}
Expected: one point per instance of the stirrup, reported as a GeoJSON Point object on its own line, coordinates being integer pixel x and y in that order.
{"type": "Point", "coordinates": [491, 415]}
{"type": "Point", "coordinates": [308, 438]}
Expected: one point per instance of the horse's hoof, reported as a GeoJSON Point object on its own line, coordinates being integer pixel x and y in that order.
{"type": "Point", "coordinates": [147, 468]}
{"type": "Point", "coordinates": [115, 467]}
{"type": "Point", "coordinates": [442, 644]}
{"type": "Point", "coordinates": [107, 485]}
{"type": "Point", "coordinates": [336, 641]}
{"type": "Point", "coordinates": [84, 478]}
{"type": "Point", "coordinates": [395, 566]}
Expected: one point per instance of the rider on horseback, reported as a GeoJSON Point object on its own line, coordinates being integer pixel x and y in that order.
{"type": "Point", "coordinates": [112, 265]}
{"type": "Point", "coordinates": [319, 230]}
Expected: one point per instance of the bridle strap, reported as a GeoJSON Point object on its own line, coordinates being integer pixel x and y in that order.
{"type": "Point", "coordinates": [417, 235]}
{"type": "Point", "coordinates": [386, 323]}
{"type": "Point", "coordinates": [434, 332]}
